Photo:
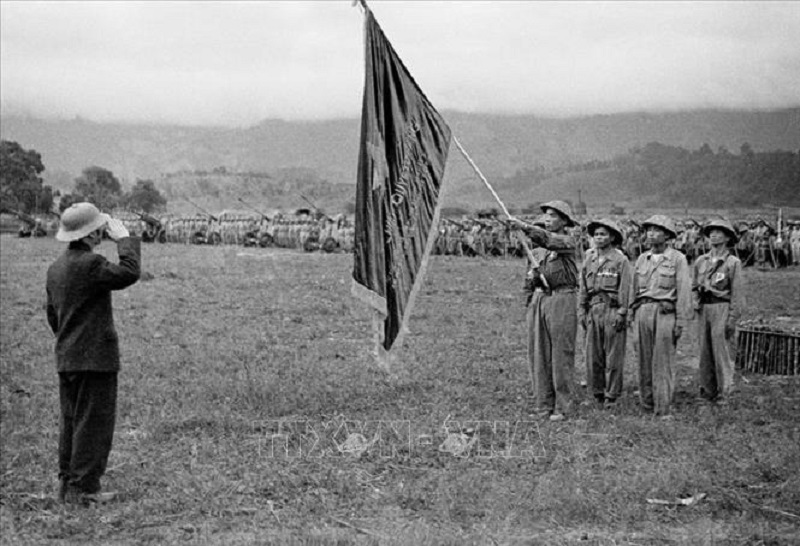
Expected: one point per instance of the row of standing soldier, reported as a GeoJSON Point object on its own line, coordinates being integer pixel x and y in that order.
{"type": "Point", "coordinates": [657, 297]}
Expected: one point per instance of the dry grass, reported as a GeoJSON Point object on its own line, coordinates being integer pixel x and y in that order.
{"type": "Point", "coordinates": [225, 348]}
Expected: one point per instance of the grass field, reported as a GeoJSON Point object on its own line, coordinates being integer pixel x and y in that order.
{"type": "Point", "coordinates": [250, 411]}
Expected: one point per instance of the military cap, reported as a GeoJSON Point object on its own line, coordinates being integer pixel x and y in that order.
{"type": "Point", "coordinates": [562, 208]}
{"type": "Point", "coordinates": [663, 222]}
{"type": "Point", "coordinates": [79, 220]}
{"type": "Point", "coordinates": [607, 223]}
{"type": "Point", "coordinates": [725, 226]}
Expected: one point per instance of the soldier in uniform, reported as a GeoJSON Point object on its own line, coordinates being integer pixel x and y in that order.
{"type": "Point", "coordinates": [764, 237]}
{"type": "Point", "coordinates": [552, 311]}
{"type": "Point", "coordinates": [718, 285]}
{"type": "Point", "coordinates": [605, 278]}
{"type": "Point", "coordinates": [661, 306]}
{"type": "Point", "coordinates": [794, 240]}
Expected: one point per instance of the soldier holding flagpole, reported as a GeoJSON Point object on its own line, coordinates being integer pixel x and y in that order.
{"type": "Point", "coordinates": [552, 312]}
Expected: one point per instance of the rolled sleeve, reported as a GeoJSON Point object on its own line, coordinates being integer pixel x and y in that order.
{"type": "Point", "coordinates": [551, 241]}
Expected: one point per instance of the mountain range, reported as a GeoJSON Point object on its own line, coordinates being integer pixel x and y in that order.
{"type": "Point", "coordinates": [276, 164]}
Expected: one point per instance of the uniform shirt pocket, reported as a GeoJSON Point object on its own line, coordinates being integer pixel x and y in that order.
{"type": "Point", "coordinates": [609, 280]}
{"type": "Point", "coordinates": [666, 277]}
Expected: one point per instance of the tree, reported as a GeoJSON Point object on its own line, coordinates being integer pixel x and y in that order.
{"type": "Point", "coordinates": [46, 198]}
{"type": "Point", "coordinates": [67, 200]}
{"type": "Point", "coordinates": [145, 196]}
{"type": "Point", "coordinates": [20, 180]}
{"type": "Point", "coordinates": [99, 186]}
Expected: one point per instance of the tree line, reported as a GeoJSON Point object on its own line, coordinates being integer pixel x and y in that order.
{"type": "Point", "coordinates": [673, 174]}
{"type": "Point", "coordinates": [22, 188]}
{"type": "Point", "coordinates": [703, 177]}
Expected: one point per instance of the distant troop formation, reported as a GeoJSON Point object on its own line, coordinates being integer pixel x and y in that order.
{"type": "Point", "coordinates": [759, 243]}
{"type": "Point", "coordinates": [300, 230]}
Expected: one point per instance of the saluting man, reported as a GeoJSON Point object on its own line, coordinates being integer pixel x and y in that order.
{"type": "Point", "coordinates": [661, 305]}
{"type": "Point", "coordinates": [552, 311]}
{"type": "Point", "coordinates": [605, 279]}
{"type": "Point", "coordinates": [79, 286]}
{"type": "Point", "coordinates": [718, 285]}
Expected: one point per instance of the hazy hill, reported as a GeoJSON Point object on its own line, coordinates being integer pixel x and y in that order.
{"type": "Point", "coordinates": [322, 155]}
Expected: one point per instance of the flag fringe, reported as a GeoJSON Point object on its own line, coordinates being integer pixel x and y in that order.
{"type": "Point", "coordinates": [369, 297]}
{"type": "Point", "coordinates": [383, 358]}
{"type": "Point", "coordinates": [378, 314]}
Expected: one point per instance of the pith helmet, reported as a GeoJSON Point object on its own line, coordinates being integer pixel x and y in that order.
{"type": "Point", "coordinates": [79, 220]}
{"type": "Point", "coordinates": [610, 225]}
{"type": "Point", "coordinates": [663, 222]}
{"type": "Point", "coordinates": [725, 226]}
{"type": "Point", "coordinates": [562, 208]}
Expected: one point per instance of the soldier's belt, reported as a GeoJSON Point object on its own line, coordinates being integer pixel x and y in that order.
{"type": "Point", "coordinates": [665, 307]}
{"type": "Point", "coordinates": [708, 299]}
{"type": "Point", "coordinates": [604, 298]}
{"type": "Point", "coordinates": [558, 290]}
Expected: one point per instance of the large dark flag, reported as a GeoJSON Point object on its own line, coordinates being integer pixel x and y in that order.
{"type": "Point", "coordinates": [401, 162]}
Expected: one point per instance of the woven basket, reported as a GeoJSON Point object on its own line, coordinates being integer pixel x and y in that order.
{"type": "Point", "coordinates": [768, 349]}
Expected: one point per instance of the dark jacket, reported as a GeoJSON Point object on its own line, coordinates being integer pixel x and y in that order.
{"type": "Point", "coordinates": [79, 285]}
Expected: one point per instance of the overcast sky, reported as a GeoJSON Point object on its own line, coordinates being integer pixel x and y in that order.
{"type": "Point", "coordinates": [237, 63]}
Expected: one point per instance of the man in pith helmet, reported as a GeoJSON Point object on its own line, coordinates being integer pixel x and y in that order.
{"type": "Point", "coordinates": [552, 310]}
{"type": "Point", "coordinates": [661, 305]}
{"type": "Point", "coordinates": [718, 287]}
{"type": "Point", "coordinates": [79, 286]}
{"type": "Point", "coordinates": [605, 279]}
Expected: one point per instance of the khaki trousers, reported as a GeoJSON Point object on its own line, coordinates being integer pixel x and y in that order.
{"type": "Point", "coordinates": [655, 349]}
{"type": "Point", "coordinates": [716, 362]}
{"type": "Point", "coordinates": [605, 352]}
{"type": "Point", "coordinates": [552, 326]}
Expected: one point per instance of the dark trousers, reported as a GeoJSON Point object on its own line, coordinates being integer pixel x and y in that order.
{"type": "Point", "coordinates": [88, 412]}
